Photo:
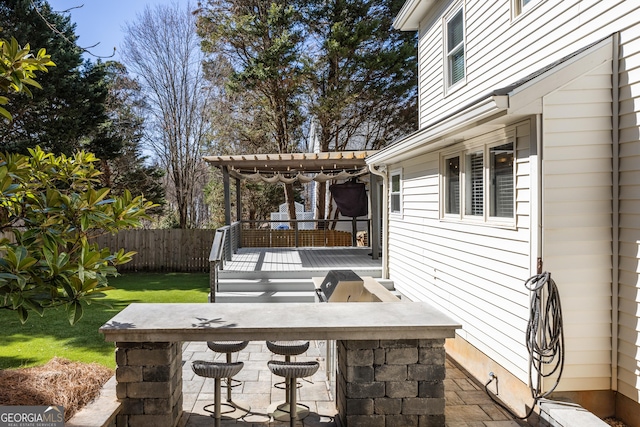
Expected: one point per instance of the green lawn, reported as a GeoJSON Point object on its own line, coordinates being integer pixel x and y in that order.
{"type": "Point", "coordinates": [42, 338]}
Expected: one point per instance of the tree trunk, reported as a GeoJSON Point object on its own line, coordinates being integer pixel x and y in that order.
{"type": "Point", "coordinates": [290, 199]}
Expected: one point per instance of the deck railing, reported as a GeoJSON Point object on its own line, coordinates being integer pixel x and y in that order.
{"type": "Point", "coordinates": [303, 233]}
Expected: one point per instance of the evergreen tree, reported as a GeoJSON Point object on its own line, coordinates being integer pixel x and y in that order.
{"type": "Point", "coordinates": [67, 113]}
{"type": "Point", "coordinates": [263, 42]}
{"type": "Point", "coordinates": [337, 65]}
{"type": "Point", "coordinates": [362, 94]}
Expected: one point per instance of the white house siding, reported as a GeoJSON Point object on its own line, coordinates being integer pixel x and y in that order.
{"type": "Point", "coordinates": [474, 273]}
{"type": "Point", "coordinates": [629, 269]}
{"type": "Point", "coordinates": [577, 221]}
{"type": "Point", "coordinates": [501, 51]}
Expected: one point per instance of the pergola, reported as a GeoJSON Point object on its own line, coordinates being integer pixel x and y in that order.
{"type": "Point", "coordinates": [289, 167]}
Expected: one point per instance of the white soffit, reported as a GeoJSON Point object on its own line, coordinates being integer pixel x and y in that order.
{"type": "Point", "coordinates": [444, 132]}
{"type": "Point", "coordinates": [412, 12]}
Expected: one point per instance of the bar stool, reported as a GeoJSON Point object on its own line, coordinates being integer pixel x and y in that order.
{"type": "Point", "coordinates": [229, 347]}
{"type": "Point", "coordinates": [291, 371]}
{"type": "Point", "coordinates": [287, 349]}
{"type": "Point", "coordinates": [216, 370]}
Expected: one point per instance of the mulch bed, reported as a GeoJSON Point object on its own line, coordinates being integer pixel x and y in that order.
{"type": "Point", "coordinates": [59, 382]}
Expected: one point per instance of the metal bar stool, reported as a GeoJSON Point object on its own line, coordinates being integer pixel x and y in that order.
{"type": "Point", "coordinates": [237, 408]}
{"type": "Point", "coordinates": [216, 370]}
{"type": "Point", "coordinates": [291, 371]}
{"type": "Point", "coordinates": [287, 349]}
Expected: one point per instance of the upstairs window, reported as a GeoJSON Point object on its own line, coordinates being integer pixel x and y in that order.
{"type": "Point", "coordinates": [455, 48]}
{"type": "Point", "coordinates": [395, 194]}
{"type": "Point", "coordinates": [521, 6]}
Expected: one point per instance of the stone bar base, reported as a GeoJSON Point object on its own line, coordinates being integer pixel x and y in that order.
{"type": "Point", "coordinates": [388, 383]}
{"type": "Point", "coordinates": [149, 377]}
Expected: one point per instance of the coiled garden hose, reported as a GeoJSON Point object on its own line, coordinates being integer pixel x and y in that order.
{"type": "Point", "coordinates": [544, 339]}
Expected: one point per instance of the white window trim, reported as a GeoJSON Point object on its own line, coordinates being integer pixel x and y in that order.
{"type": "Point", "coordinates": [485, 219]}
{"type": "Point", "coordinates": [449, 88]}
{"type": "Point", "coordinates": [398, 173]}
{"type": "Point", "coordinates": [444, 183]}
{"type": "Point", "coordinates": [518, 10]}
{"type": "Point", "coordinates": [497, 219]}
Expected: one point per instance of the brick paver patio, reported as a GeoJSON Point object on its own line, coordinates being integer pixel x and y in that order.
{"type": "Point", "coordinates": [467, 405]}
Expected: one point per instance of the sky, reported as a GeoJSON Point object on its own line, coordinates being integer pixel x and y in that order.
{"type": "Point", "coordinates": [102, 21]}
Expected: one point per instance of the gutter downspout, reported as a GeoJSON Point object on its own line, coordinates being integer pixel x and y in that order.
{"type": "Point", "coordinates": [381, 171]}
{"type": "Point", "coordinates": [537, 211]}
{"type": "Point", "coordinates": [615, 137]}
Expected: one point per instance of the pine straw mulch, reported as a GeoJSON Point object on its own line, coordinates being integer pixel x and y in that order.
{"type": "Point", "coordinates": [58, 382]}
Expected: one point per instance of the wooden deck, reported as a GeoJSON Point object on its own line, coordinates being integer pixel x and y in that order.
{"type": "Point", "coordinates": [285, 274]}
{"type": "Point", "coordinates": [300, 259]}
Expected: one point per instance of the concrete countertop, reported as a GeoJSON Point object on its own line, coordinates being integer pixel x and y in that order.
{"type": "Point", "coordinates": [259, 321]}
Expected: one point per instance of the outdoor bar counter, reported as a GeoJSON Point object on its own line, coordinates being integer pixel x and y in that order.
{"type": "Point", "coordinates": [391, 358]}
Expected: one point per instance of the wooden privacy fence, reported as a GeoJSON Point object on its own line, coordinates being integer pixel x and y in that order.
{"type": "Point", "coordinates": [163, 250]}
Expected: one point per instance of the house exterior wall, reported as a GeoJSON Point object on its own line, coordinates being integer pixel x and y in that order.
{"type": "Point", "coordinates": [629, 205]}
{"type": "Point", "coordinates": [577, 222]}
{"type": "Point", "coordinates": [473, 272]}
{"type": "Point", "coordinates": [500, 50]}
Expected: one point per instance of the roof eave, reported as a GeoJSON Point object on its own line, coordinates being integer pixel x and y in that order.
{"type": "Point", "coordinates": [487, 109]}
{"type": "Point", "coordinates": [411, 14]}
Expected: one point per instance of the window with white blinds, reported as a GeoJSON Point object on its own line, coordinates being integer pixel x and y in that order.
{"type": "Point", "coordinates": [501, 192]}
{"type": "Point", "coordinates": [455, 48]}
{"type": "Point", "coordinates": [479, 184]}
{"type": "Point", "coordinates": [474, 184]}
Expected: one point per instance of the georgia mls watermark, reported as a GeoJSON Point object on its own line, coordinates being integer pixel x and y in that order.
{"type": "Point", "coordinates": [31, 416]}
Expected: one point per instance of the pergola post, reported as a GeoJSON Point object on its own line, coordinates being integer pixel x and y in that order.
{"type": "Point", "coordinates": [238, 201]}
{"type": "Point", "coordinates": [374, 197]}
{"type": "Point", "coordinates": [227, 195]}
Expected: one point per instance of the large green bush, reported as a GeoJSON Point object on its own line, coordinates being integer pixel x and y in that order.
{"type": "Point", "coordinates": [49, 210]}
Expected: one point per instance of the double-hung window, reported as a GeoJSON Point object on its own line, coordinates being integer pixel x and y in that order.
{"type": "Point", "coordinates": [455, 48]}
{"type": "Point", "coordinates": [396, 192]}
{"type": "Point", "coordinates": [478, 184]}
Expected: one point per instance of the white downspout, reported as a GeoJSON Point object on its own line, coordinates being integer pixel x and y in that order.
{"type": "Point", "coordinates": [381, 171]}
{"type": "Point", "coordinates": [536, 236]}
{"type": "Point", "coordinates": [615, 84]}
{"type": "Point", "coordinates": [537, 205]}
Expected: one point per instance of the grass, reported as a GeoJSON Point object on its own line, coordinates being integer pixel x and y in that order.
{"type": "Point", "coordinates": [43, 338]}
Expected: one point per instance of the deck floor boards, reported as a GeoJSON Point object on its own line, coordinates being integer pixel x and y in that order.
{"type": "Point", "coordinates": [300, 259]}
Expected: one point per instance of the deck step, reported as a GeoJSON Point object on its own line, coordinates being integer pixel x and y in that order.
{"type": "Point", "coordinates": [274, 297]}
{"type": "Point", "coordinates": [276, 285]}
{"type": "Point", "coordinates": [269, 297]}
{"type": "Point", "coordinates": [297, 274]}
